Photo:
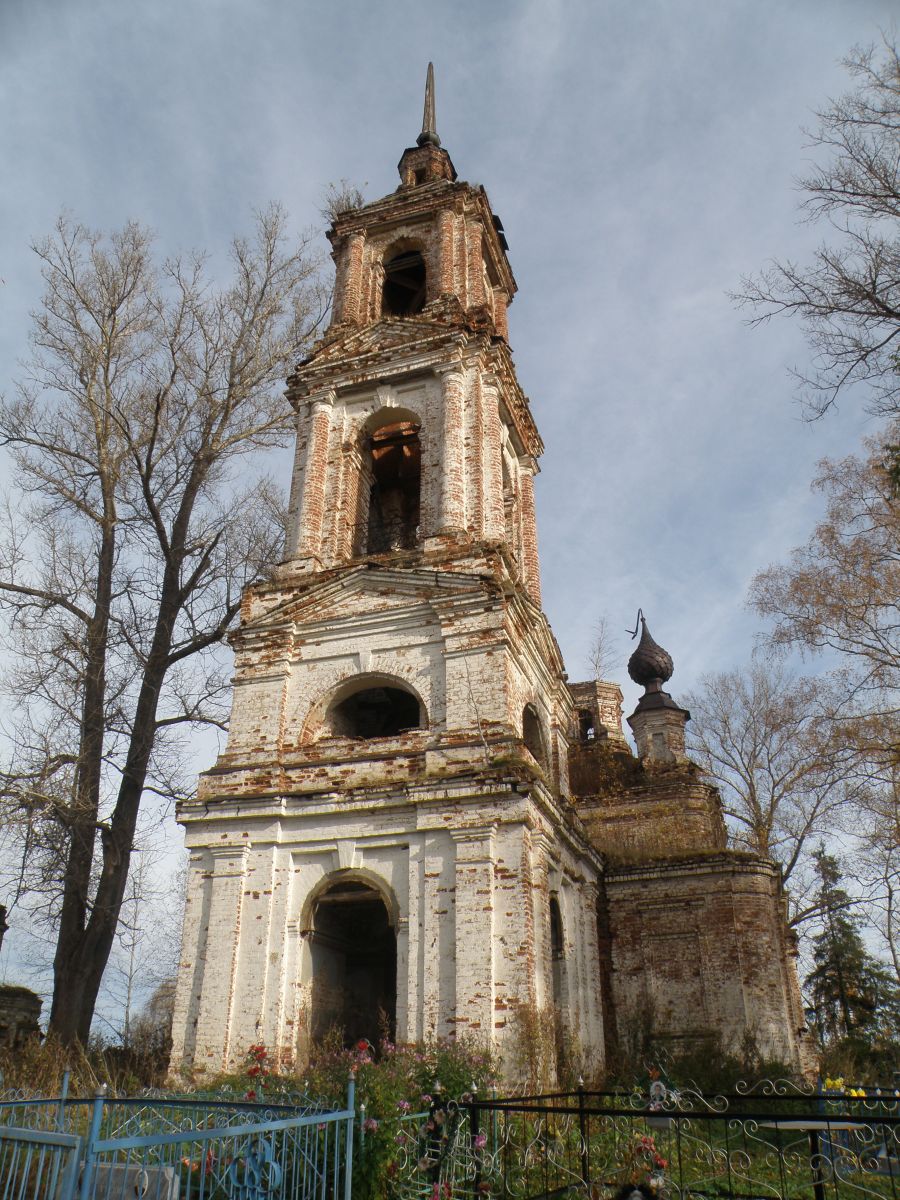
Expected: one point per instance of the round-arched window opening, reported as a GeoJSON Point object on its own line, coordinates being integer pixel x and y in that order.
{"type": "Point", "coordinates": [375, 712]}
{"type": "Point", "coordinates": [533, 735]}
{"type": "Point", "coordinates": [586, 726]}
{"type": "Point", "coordinates": [403, 293]}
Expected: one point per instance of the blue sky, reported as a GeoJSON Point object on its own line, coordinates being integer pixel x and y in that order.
{"type": "Point", "coordinates": [642, 157]}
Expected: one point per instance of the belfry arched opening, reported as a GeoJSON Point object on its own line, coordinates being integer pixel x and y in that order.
{"type": "Point", "coordinates": [354, 964]}
{"type": "Point", "coordinates": [377, 711]}
{"type": "Point", "coordinates": [404, 284]}
{"type": "Point", "coordinates": [394, 471]}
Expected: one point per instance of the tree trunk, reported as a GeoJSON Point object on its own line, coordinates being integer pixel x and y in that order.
{"type": "Point", "coordinates": [77, 985]}
{"type": "Point", "coordinates": [68, 976]}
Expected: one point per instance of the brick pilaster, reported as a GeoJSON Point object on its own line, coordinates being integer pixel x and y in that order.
{"type": "Point", "coordinates": [474, 931]}
{"type": "Point", "coordinates": [309, 542]}
{"type": "Point", "coordinates": [494, 516]}
{"type": "Point", "coordinates": [474, 266]}
{"type": "Point", "coordinates": [453, 488]}
{"type": "Point", "coordinates": [531, 568]}
{"type": "Point", "coordinates": [350, 297]}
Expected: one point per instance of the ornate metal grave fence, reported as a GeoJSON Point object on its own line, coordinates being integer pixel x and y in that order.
{"type": "Point", "coordinates": [175, 1148]}
{"type": "Point", "coordinates": [766, 1146]}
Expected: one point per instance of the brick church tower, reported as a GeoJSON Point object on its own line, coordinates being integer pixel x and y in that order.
{"type": "Point", "coordinates": [386, 839]}
{"type": "Point", "coordinates": [391, 840]}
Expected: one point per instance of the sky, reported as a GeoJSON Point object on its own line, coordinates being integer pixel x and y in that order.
{"type": "Point", "coordinates": [643, 158]}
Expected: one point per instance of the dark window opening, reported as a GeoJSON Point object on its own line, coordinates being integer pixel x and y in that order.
{"type": "Point", "coordinates": [556, 930]}
{"type": "Point", "coordinates": [557, 949]}
{"type": "Point", "coordinates": [404, 285]}
{"type": "Point", "coordinates": [376, 712]}
{"type": "Point", "coordinates": [509, 505]}
{"type": "Point", "coordinates": [586, 726]}
{"type": "Point", "coordinates": [395, 491]}
{"type": "Point", "coordinates": [420, 175]}
{"type": "Point", "coordinates": [354, 965]}
{"type": "Point", "coordinates": [532, 735]}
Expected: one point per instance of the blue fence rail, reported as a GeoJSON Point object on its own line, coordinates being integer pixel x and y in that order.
{"type": "Point", "coordinates": [38, 1165]}
{"type": "Point", "coordinates": [178, 1148]}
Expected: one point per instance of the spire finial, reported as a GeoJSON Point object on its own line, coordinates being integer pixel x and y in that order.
{"type": "Point", "coordinates": [428, 136]}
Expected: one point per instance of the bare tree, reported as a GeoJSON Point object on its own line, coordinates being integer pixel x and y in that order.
{"type": "Point", "coordinates": [876, 864]}
{"type": "Point", "coordinates": [764, 737]}
{"type": "Point", "coordinates": [137, 520]}
{"type": "Point", "coordinates": [839, 593]}
{"type": "Point", "coordinates": [848, 297]}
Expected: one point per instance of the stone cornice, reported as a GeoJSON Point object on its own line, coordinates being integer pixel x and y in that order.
{"type": "Point", "coordinates": [729, 863]}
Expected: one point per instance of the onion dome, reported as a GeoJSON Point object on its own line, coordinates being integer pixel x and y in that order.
{"type": "Point", "coordinates": [650, 665]}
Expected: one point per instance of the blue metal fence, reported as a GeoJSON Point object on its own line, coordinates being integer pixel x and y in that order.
{"type": "Point", "coordinates": [38, 1165]}
{"type": "Point", "coordinates": [177, 1148]}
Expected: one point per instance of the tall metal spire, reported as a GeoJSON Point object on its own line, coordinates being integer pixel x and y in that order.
{"type": "Point", "coordinates": [428, 136]}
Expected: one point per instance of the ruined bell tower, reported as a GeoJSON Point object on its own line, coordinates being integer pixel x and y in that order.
{"type": "Point", "coordinates": [418, 828]}
{"type": "Point", "coordinates": [387, 841]}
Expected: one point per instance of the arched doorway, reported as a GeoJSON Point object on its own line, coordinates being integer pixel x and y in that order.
{"type": "Point", "coordinates": [354, 963]}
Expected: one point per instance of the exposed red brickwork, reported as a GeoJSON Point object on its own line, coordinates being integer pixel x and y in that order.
{"type": "Point", "coordinates": [699, 949]}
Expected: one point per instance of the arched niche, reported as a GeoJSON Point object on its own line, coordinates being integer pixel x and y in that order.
{"type": "Point", "coordinates": [390, 492]}
{"type": "Point", "coordinates": [533, 734]}
{"type": "Point", "coordinates": [350, 924]}
{"type": "Point", "coordinates": [367, 707]}
{"type": "Point", "coordinates": [404, 290]}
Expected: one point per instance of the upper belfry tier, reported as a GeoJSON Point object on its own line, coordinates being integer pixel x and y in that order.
{"type": "Point", "coordinates": [413, 434]}
{"type": "Point", "coordinates": [432, 249]}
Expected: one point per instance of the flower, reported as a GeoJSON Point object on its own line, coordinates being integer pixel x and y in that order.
{"type": "Point", "coordinates": [370, 1124]}
{"type": "Point", "coordinates": [250, 1095]}
{"type": "Point", "coordinates": [426, 1099]}
{"type": "Point", "coordinates": [480, 1141]}
{"type": "Point", "coordinates": [404, 1105]}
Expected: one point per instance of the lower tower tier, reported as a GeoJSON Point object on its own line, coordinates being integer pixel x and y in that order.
{"type": "Point", "coordinates": [456, 909]}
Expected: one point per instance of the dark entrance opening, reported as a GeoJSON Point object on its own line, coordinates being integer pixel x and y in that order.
{"type": "Point", "coordinates": [396, 486]}
{"type": "Point", "coordinates": [376, 712]}
{"type": "Point", "coordinates": [404, 285]}
{"type": "Point", "coordinates": [354, 965]}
